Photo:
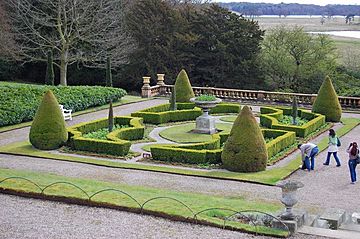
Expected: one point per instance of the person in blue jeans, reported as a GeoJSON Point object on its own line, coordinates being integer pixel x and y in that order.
{"type": "Point", "coordinates": [308, 151]}
{"type": "Point", "coordinates": [333, 148]}
{"type": "Point", "coordinates": [353, 151]}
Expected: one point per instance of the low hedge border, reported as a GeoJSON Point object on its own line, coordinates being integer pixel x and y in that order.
{"type": "Point", "coordinates": [270, 118]}
{"type": "Point", "coordinates": [118, 141]}
{"type": "Point", "coordinates": [185, 111]}
{"type": "Point", "coordinates": [210, 152]}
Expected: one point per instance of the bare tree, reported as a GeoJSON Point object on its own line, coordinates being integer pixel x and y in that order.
{"type": "Point", "coordinates": [7, 43]}
{"type": "Point", "coordinates": [86, 31]}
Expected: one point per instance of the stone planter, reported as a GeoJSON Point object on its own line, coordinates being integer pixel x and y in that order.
{"type": "Point", "coordinates": [289, 198]}
{"type": "Point", "coordinates": [205, 124]}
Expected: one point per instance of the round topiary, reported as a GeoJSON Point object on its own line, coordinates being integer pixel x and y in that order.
{"type": "Point", "coordinates": [48, 129]}
{"type": "Point", "coordinates": [245, 149]}
{"type": "Point", "coordinates": [183, 88]}
{"type": "Point", "coordinates": [327, 102]}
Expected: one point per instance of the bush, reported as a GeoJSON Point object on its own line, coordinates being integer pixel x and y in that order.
{"type": "Point", "coordinates": [48, 129]}
{"type": "Point", "coordinates": [270, 118]}
{"type": "Point", "coordinates": [327, 102]}
{"type": "Point", "coordinates": [245, 149]}
{"type": "Point", "coordinates": [185, 111]}
{"type": "Point", "coordinates": [117, 143]}
{"type": "Point", "coordinates": [18, 102]}
{"type": "Point", "coordinates": [183, 88]}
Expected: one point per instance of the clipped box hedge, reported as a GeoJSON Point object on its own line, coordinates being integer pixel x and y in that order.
{"type": "Point", "coordinates": [118, 141]}
{"type": "Point", "coordinates": [19, 102]}
{"type": "Point", "coordinates": [270, 118]}
{"type": "Point", "coordinates": [210, 152]}
{"type": "Point", "coordinates": [185, 111]}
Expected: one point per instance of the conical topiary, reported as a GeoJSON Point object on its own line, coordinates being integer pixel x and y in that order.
{"type": "Point", "coordinates": [245, 149]}
{"type": "Point", "coordinates": [294, 110]}
{"type": "Point", "coordinates": [173, 100]}
{"type": "Point", "coordinates": [327, 102]}
{"type": "Point", "coordinates": [183, 90]}
{"type": "Point", "coordinates": [48, 129]}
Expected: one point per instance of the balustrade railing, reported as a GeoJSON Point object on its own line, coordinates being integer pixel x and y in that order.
{"type": "Point", "coordinates": [247, 95]}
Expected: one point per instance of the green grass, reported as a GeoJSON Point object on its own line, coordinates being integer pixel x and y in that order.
{"type": "Point", "coordinates": [268, 177]}
{"type": "Point", "coordinates": [195, 201]}
{"type": "Point", "coordinates": [127, 99]}
{"type": "Point", "coordinates": [182, 134]}
{"type": "Point", "coordinates": [228, 118]}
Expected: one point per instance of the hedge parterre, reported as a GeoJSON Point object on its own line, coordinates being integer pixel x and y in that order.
{"type": "Point", "coordinates": [117, 142]}
{"type": "Point", "coordinates": [19, 102]}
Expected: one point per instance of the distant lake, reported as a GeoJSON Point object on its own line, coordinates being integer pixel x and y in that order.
{"type": "Point", "coordinates": [352, 34]}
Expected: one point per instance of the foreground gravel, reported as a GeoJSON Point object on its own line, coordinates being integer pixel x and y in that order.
{"type": "Point", "coordinates": [38, 219]}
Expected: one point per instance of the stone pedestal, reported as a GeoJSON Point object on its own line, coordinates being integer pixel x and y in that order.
{"type": "Point", "coordinates": [145, 90]}
{"type": "Point", "coordinates": [205, 124]}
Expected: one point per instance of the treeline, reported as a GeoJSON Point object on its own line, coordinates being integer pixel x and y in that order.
{"type": "Point", "coordinates": [284, 9]}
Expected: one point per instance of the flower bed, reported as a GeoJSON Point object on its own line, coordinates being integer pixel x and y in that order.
{"type": "Point", "coordinates": [117, 142]}
{"type": "Point", "coordinates": [270, 118]}
{"type": "Point", "coordinates": [210, 152]}
{"type": "Point", "coordinates": [185, 111]}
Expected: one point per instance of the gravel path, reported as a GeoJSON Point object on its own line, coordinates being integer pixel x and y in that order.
{"type": "Point", "coordinates": [19, 135]}
{"type": "Point", "coordinates": [38, 219]}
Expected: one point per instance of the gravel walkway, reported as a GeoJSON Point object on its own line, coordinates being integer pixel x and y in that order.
{"type": "Point", "coordinates": [38, 219]}
{"type": "Point", "coordinates": [20, 135]}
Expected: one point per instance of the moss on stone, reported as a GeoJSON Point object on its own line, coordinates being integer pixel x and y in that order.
{"type": "Point", "coordinates": [245, 149]}
{"type": "Point", "coordinates": [183, 90]}
{"type": "Point", "coordinates": [48, 129]}
{"type": "Point", "coordinates": [327, 102]}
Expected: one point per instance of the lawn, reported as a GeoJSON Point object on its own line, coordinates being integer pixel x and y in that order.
{"type": "Point", "coordinates": [170, 204]}
{"type": "Point", "coordinates": [268, 177]}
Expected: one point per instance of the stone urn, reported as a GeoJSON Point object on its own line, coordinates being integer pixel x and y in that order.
{"type": "Point", "coordinates": [205, 124]}
{"type": "Point", "coordinates": [289, 198]}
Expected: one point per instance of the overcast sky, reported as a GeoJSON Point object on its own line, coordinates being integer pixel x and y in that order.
{"type": "Point", "coordinates": [317, 2]}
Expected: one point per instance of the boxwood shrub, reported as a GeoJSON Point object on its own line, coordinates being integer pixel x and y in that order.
{"type": "Point", "coordinates": [210, 152]}
{"type": "Point", "coordinates": [118, 141]}
{"type": "Point", "coordinates": [270, 118]}
{"type": "Point", "coordinates": [185, 111]}
{"type": "Point", "coordinates": [19, 102]}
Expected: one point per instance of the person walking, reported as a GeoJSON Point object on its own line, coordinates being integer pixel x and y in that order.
{"type": "Point", "coordinates": [334, 142]}
{"type": "Point", "coordinates": [308, 151]}
{"type": "Point", "coordinates": [353, 151]}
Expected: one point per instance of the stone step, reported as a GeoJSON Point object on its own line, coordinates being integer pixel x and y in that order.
{"type": "Point", "coordinates": [342, 234]}
{"type": "Point", "coordinates": [334, 217]}
{"type": "Point", "coordinates": [320, 223]}
{"type": "Point", "coordinates": [350, 227]}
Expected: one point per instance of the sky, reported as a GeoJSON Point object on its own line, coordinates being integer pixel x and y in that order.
{"type": "Point", "coordinates": [316, 2]}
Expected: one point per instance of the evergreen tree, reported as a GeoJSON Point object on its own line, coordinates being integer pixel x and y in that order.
{"type": "Point", "coordinates": [111, 117]}
{"type": "Point", "coordinates": [108, 73]}
{"type": "Point", "coordinates": [49, 77]}
{"type": "Point", "coordinates": [327, 102]}
{"type": "Point", "coordinates": [173, 100]}
{"type": "Point", "coordinates": [182, 88]}
{"type": "Point", "coordinates": [294, 110]}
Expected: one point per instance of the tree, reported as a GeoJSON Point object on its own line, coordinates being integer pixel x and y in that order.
{"type": "Point", "coordinates": [294, 110]}
{"type": "Point", "coordinates": [7, 43]}
{"type": "Point", "coordinates": [48, 129]}
{"type": "Point", "coordinates": [49, 77]}
{"type": "Point", "coordinates": [182, 88]}
{"type": "Point", "coordinates": [111, 117]}
{"type": "Point", "coordinates": [245, 149]}
{"type": "Point", "coordinates": [82, 31]}
{"type": "Point", "coordinates": [108, 73]}
{"type": "Point", "coordinates": [173, 100]}
{"type": "Point", "coordinates": [327, 102]}
{"type": "Point", "coordinates": [296, 60]}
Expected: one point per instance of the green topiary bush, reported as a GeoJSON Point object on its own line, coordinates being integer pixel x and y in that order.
{"type": "Point", "coordinates": [183, 88]}
{"type": "Point", "coordinates": [48, 129]}
{"type": "Point", "coordinates": [245, 149]}
{"type": "Point", "coordinates": [327, 102]}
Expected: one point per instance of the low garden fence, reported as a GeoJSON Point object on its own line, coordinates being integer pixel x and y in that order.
{"type": "Point", "coordinates": [250, 217]}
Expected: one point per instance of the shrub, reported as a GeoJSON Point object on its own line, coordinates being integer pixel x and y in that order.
{"type": "Point", "coordinates": [18, 102]}
{"type": "Point", "coordinates": [206, 98]}
{"type": "Point", "coordinates": [245, 149]}
{"type": "Point", "coordinates": [272, 117]}
{"type": "Point", "coordinates": [183, 88]}
{"type": "Point", "coordinates": [48, 129]}
{"type": "Point", "coordinates": [327, 102]}
{"type": "Point", "coordinates": [117, 141]}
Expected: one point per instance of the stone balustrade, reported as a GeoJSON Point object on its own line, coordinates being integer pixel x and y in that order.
{"type": "Point", "coordinates": [161, 89]}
